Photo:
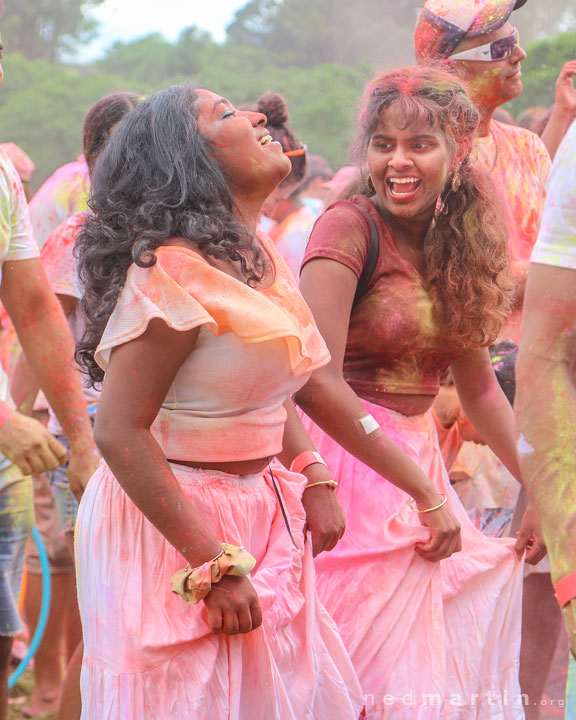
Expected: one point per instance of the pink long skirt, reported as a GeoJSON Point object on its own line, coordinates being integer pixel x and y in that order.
{"type": "Point", "coordinates": [150, 656]}
{"type": "Point", "coordinates": [428, 640]}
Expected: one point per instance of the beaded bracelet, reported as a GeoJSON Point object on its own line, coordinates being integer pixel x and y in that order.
{"type": "Point", "coordinates": [436, 507]}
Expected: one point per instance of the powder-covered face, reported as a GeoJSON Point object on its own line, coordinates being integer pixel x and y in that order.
{"type": "Point", "coordinates": [495, 82]}
{"type": "Point", "coordinates": [241, 145]}
{"type": "Point", "coordinates": [409, 164]}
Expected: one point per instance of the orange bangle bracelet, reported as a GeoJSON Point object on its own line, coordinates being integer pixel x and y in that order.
{"type": "Point", "coordinates": [302, 461]}
{"type": "Point", "coordinates": [565, 589]}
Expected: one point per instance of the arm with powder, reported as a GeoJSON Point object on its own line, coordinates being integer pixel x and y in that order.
{"type": "Point", "coordinates": [328, 287]}
{"type": "Point", "coordinates": [487, 408]}
{"type": "Point", "coordinates": [45, 338]}
{"type": "Point", "coordinates": [546, 394]}
{"type": "Point", "coordinates": [122, 433]}
{"type": "Point", "coordinates": [324, 515]}
{"type": "Point", "coordinates": [23, 384]}
{"type": "Point", "coordinates": [546, 414]}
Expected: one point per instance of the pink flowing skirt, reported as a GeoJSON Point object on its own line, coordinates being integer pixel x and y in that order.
{"type": "Point", "coordinates": [428, 640]}
{"type": "Point", "coordinates": [149, 655]}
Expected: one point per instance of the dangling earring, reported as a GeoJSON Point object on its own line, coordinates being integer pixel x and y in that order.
{"type": "Point", "coordinates": [369, 185]}
{"type": "Point", "coordinates": [456, 179]}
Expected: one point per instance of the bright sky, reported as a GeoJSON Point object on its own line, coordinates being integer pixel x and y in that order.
{"type": "Point", "coordinates": [129, 19]}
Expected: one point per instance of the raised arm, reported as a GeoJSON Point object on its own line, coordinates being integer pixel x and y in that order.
{"type": "Point", "coordinates": [564, 109]}
{"type": "Point", "coordinates": [328, 287]}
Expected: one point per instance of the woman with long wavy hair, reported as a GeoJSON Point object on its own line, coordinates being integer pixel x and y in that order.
{"type": "Point", "coordinates": [200, 336]}
{"type": "Point", "coordinates": [428, 607]}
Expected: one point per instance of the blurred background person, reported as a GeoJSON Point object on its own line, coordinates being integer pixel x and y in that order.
{"type": "Point", "coordinates": [26, 446]}
{"type": "Point", "coordinates": [23, 164]}
{"type": "Point", "coordinates": [291, 218]}
{"type": "Point", "coordinates": [56, 502]}
{"type": "Point", "coordinates": [63, 194]}
{"type": "Point", "coordinates": [313, 188]}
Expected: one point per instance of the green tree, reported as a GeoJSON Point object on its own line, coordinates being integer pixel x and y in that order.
{"type": "Point", "coordinates": [541, 20]}
{"type": "Point", "coordinates": [42, 104]}
{"type": "Point", "coordinates": [321, 99]}
{"type": "Point", "coordinates": [147, 60]}
{"type": "Point", "coordinates": [312, 32]}
{"type": "Point", "coordinates": [543, 63]}
{"type": "Point", "coordinates": [47, 28]}
{"type": "Point", "coordinates": [42, 109]}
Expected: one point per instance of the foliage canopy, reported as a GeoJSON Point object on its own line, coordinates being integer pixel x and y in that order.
{"type": "Point", "coordinates": [47, 28]}
{"type": "Point", "coordinates": [317, 53]}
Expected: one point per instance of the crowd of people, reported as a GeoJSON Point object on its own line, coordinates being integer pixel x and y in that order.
{"type": "Point", "coordinates": [300, 443]}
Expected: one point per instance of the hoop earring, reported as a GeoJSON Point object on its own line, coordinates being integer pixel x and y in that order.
{"type": "Point", "coordinates": [456, 179]}
{"type": "Point", "coordinates": [369, 185]}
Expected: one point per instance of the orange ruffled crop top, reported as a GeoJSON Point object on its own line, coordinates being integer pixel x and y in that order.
{"type": "Point", "coordinates": [394, 345]}
{"type": "Point", "coordinates": [254, 349]}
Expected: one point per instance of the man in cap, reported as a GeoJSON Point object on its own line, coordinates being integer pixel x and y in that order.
{"type": "Point", "coordinates": [482, 44]}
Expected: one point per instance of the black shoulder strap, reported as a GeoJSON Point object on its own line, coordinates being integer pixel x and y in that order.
{"type": "Point", "coordinates": [371, 260]}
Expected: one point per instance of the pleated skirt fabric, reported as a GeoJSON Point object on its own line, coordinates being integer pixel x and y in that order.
{"type": "Point", "coordinates": [149, 655]}
{"type": "Point", "coordinates": [429, 640]}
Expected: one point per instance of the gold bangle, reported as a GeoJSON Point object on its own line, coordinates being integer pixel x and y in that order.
{"type": "Point", "coordinates": [436, 507]}
{"type": "Point", "coordinates": [333, 484]}
{"type": "Point", "coordinates": [215, 559]}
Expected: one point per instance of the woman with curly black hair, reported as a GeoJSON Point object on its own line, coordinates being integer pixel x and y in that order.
{"type": "Point", "coordinates": [200, 336]}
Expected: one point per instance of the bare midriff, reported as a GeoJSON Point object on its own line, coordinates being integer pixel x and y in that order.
{"type": "Point", "coordinates": [243, 467]}
{"type": "Point", "coordinates": [401, 403]}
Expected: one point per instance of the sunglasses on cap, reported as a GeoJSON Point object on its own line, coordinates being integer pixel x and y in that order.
{"type": "Point", "coordinates": [496, 50]}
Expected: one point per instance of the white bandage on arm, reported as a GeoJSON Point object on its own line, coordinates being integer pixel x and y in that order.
{"type": "Point", "coordinates": [368, 425]}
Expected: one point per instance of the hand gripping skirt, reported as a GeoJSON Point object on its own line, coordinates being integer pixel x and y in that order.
{"type": "Point", "coordinates": [149, 655]}
{"type": "Point", "coordinates": [428, 640]}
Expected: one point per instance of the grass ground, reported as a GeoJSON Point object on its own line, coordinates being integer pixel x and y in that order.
{"type": "Point", "coordinates": [20, 693]}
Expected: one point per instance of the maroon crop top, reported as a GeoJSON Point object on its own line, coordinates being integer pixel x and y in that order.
{"type": "Point", "coordinates": [394, 345]}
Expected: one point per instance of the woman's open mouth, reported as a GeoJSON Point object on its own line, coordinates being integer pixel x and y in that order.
{"type": "Point", "coordinates": [403, 187]}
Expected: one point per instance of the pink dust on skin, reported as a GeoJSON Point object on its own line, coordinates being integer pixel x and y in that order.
{"type": "Point", "coordinates": [486, 86]}
{"type": "Point", "coordinates": [518, 164]}
{"type": "Point", "coordinates": [494, 83]}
